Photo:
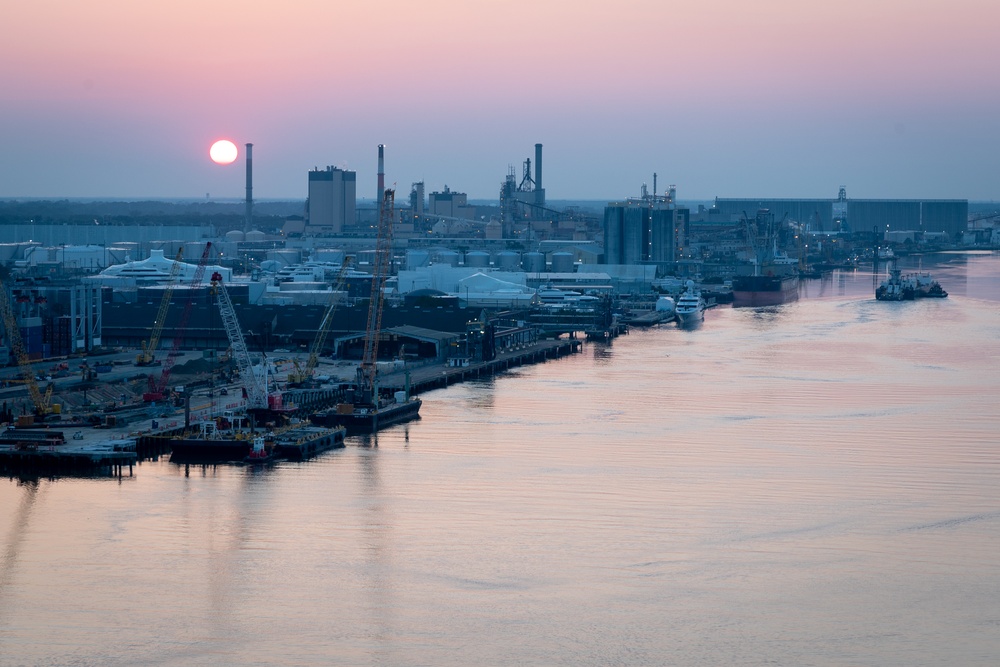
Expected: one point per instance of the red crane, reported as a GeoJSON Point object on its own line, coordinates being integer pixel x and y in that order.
{"type": "Point", "coordinates": [158, 386]}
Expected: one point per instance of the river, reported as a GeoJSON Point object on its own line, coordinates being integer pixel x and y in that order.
{"type": "Point", "coordinates": [813, 484]}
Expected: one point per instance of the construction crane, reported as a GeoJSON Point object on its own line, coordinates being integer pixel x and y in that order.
{"type": "Point", "coordinates": [41, 401]}
{"type": "Point", "coordinates": [253, 384]}
{"type": "Point", "coordinates": [147, 356]}
{"type": "Point", "coordinates": [305, 374]}
{"type": "Point", "coordinates": [380, 272]}
{"type": "Point", "coordinates": [158, 386]}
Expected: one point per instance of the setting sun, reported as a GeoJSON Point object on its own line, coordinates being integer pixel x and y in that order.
{"type": "Point", "coordinates": [223, 152]}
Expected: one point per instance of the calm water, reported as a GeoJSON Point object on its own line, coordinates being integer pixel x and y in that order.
{"type": "Point", "coordinates": [817, 484]}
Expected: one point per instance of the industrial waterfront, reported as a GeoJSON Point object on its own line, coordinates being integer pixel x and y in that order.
{"type": "Point", "coordinates": [814, 483]}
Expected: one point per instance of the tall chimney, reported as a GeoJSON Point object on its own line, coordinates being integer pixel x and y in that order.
{"type": "Point", "coordinates": [538, 167]}
{"type": "Point", "coordinates": [381, 176]}
{"type": "Point", "coordinates": [247, 221]}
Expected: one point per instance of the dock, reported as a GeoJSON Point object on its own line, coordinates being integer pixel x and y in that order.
{"type": "Point", "coordinates": [425, 378]}
{"type": "Point", "coordinates": [39, 451]}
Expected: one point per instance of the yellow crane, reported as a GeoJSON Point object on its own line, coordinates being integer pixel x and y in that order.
{"type": "Point", "coordinates": [303, 375]}
{"type": "Point", "coordinates": [148, 355]}
{"type": "Point", "coordinates": [41, 401]}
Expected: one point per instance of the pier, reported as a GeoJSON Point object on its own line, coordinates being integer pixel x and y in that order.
{"type": "Point", "coordinates": [436, 376]}
{"type": "Point", "coordinates": [108, 457]}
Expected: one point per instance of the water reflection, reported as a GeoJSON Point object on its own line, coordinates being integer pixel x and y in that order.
{"type": "Point", "coordinates": [18, 531]}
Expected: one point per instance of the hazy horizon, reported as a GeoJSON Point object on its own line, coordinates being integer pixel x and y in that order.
{"type": "Point", "coordinates": [776, 99]}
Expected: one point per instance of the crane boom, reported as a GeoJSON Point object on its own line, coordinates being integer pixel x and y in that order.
{"type": "Point", "coordinates": [305, 374]}
{"type": "Point", "coordinates": [256, 390]}
{"type": "Point", "coordinates": [147, 356]}
{"type": "Point", "coordinates": [158, 387]}
{"type": "Point", "coordinates": [380, 272]}
{"type": "Point", "coordinates": [41, 401]}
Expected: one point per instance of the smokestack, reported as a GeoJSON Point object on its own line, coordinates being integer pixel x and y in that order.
{"type": "Point", "coordinates": [381, 175]}
{"type": "Point", "coordinates": [538, 167]}
{"type": "Point", "coordinates": [654, 184]}
{"type": "Point", "coordinates": [249, 212]}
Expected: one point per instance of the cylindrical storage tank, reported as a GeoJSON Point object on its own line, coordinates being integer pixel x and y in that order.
{"type": "Point", "coordinates": [508, 260]}
{"type": "Point", "coordinates": [449, 257]}
{"type": "Point", "coordinates": [416, 259]}
{"type": "Point", "coordinates": [533, 262]}
{"type": "Point", "coordinates": [171, 248]}
{"type": "Point", "coordinates": [255, 236]}
{"type": "Point", "coordinates": [234, 235]}
{"type": "Point", "coordinates": [665, 305]}
{"type": "Point", "coordinates": [193, 250]}
{"type": "Point", "coordinates": [332, 255]}
{"type": "Point", "coordinates": [562, 262]}
{"type": "Point", "coordinates": [128, 249]}
{"type": "Point", "coordinates": [118, 255]}
{"type": "Point", "coordinates": [477, 259]}
{"type": "Point", "coordinates": [286, 257]}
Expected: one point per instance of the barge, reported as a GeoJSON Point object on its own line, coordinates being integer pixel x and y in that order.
{"type": "Point", "coordinates": [363, 418]}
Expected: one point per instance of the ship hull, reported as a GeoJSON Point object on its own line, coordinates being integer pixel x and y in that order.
{"type": "Point", "coordinates": [751, 291]}
{"type": "Point", "coordinates": [359, 420]}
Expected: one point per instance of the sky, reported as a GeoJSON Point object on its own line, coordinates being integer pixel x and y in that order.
{"type": "Point", "coordinates": [728, 98]}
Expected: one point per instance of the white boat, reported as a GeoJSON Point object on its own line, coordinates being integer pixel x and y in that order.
{"type": "Point", "coordinates": [690, 308]}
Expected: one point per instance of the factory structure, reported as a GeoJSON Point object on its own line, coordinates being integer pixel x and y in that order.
{"type": "Point", "coordinates": [647, 230]}
{"type": "Point", "coordinates": [84, 286]}
{"type": "Point", "coordinates": [843, 214]}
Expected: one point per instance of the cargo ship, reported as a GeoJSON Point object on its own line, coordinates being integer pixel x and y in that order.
{"type": "Point", "coordinates": [362, 418]}
{"type": "Point", "coordinates": [770, 290]}
{"type": "Point", "coordinates": [774, 280]}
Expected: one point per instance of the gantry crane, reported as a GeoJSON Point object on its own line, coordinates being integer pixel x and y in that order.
{"type": "Point", "coordinates": [380, 272]}
{"type": "Point", "coordinates": [148, 355]}
{"type": "Point", "coordinates": [305, 374]}
{"type": "Point", "coordinates": [42, 402]}
{"type": "Point", "coordinates": [157, 388]}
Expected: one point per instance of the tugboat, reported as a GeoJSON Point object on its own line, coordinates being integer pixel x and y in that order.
{"type": "Point", "coordinates": [896, 287]}
{"type": "Point", "coordinates": [258, 453]}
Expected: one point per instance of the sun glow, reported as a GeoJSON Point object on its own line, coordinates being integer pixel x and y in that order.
{"type": "Point", "coordinates": [223, 152]}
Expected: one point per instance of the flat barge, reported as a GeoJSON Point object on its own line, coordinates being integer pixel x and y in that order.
{"type": "Point", "coordinates": [211, 445]}
{"type": "Point", "coordinates": [307, 441]}
{"type": "Point", "coordinates": [360, 419]}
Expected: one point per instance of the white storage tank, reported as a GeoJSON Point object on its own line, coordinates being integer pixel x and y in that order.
{"type": "Point", "coordinates": [508, 260]}
{"type": "Point", "coordinates": [562, 262]}
{"type": "Point", "coordinates": [193, 251]}
{"type": "Point", "coordinates": [665, 304]}
{"type": "Point", "coordinates": [477, 259]}
{"type": "Point", "coordinates": [286, 257]}
{"type": "Point", "coordinates": [533, 262]}
{"type": "Point", "coordinates": [255, 236]}
{"type": "Point", "coordinates": [449, 257]}
{"type": "Point", "coordinates": [235, 235]}
{"type": "Point", "coordinates": [118, 255]}
{"type": "Point", "coordinates": [416, 259]}
{"type": "Point", "coordinates": [332, 255]}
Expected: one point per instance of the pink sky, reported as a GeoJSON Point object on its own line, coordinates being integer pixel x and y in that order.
{"type": "Point", "coordinates": [117, 98]}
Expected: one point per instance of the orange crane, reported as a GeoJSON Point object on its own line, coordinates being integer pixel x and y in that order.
{"type": "Point", "coordinates": [303, 375]}
{"type": "Point", "coordinates": [380, 272]}
{"type": "Point", "coordinates": [41, 401]}
{"type": "Point", "coordinates": [147, 356]}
